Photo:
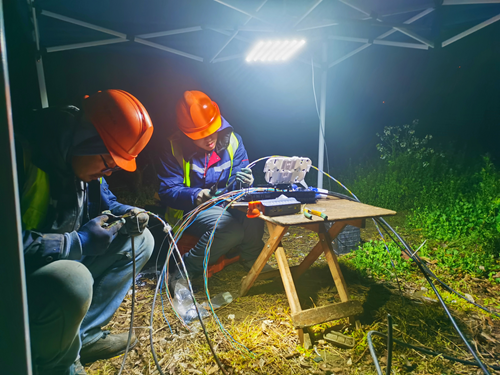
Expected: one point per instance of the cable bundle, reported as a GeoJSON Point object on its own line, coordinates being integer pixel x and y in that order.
{"type": "Point", "coordinates": [226, 200]}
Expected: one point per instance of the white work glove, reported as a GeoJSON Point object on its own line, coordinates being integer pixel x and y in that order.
{"type": "Point", "coordinates": [203, 196]}
{"type": "Point", "coordinates": [137, 222]}
{"type": "Point", "coordinates": [245, 177]}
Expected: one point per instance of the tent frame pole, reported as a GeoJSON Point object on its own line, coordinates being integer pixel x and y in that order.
{"type": "Point", "coordinates": [122, 36]}
{"type": "Point", "coordinates": [307, 13]}
{"type": "Point", "coordinates": [250, 14]}
{"type": "Point", "coordinates": [382, 36]}
{"type": "Point", "coordinates": [214, 57]}
{"type": "Point", "coordinates": [38, 59]}
{"type": "Point", "coordinates": [469, 2]}
{"type": "Point", "coordinates": [15, 348]}
{"type": "Point", "coordinates": [322, 115]}
{"type": "Point", "coordinates": [471, 30]}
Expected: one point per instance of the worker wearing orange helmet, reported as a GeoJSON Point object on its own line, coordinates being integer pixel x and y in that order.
{"type": "Point", "coordinates": [206, 152]}
{"type": "Point", "coordinates": [78, 264]}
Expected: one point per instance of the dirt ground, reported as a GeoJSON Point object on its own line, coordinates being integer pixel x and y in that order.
{"type": "Point", "coordinates": [265, 341]}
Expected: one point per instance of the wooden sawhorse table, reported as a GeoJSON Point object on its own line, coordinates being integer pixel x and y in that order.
{"type": "Point", "coordinates": [341, 212]}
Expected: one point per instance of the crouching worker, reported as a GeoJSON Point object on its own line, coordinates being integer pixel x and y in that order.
{"type": "Point", "coordinates": [206, 152]}
{"type": "Point", "coordinates": [78, 264]}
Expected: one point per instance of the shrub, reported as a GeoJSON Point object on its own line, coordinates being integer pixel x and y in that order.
{"type": "Point", "coordinates": [449, 198]}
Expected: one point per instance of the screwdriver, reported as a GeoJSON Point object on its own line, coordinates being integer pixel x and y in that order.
{"type": "Point", "coordinates": [308, 213]}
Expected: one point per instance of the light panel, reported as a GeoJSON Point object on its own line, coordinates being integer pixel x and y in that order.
{"type": "Point", "coordinates": [274, 50]}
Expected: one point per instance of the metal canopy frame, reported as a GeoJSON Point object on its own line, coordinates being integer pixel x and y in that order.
{"type": "Point", "coordinates": [367, 16]}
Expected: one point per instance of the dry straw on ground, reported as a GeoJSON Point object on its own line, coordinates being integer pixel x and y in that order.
{"type": "Point", "coordinates": [261, 322]}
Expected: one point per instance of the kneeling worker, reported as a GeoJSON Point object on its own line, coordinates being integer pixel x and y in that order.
{"type": "Point", "coordinates": [202, 153]}
{"type": "Point", "coordinates": [78, 266]}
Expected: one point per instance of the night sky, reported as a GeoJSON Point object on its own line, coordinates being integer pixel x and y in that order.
{"type": "Point", "coordinates": [454, 92]}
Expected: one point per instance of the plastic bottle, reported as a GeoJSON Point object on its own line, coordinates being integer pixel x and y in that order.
{"type": "Point", "coordinates": [221, 299]}
{"type": "Point", "coordinates": [183, 303]}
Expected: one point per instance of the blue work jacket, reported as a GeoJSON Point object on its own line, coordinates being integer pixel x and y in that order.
{"type": "Point", "coordinates": [178, 192]}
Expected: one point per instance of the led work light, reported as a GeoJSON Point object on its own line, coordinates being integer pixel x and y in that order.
{"type": "Point", "coordinates": [274, 50]}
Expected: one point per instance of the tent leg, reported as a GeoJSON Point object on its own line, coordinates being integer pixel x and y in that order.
{"type": "Point", "coordinates": [39, 62]}
{"type": "Point", "coordinates": [41, 82]}
{"type": "Point", "coordinates": [15, 352]}
{"type": "Point", "coordinates": [322, 115]}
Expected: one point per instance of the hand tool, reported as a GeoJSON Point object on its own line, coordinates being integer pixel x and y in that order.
{"type": "Point", "coordinates": [215, 187]}
{"type": "Point", "coordinates": [308, 213]}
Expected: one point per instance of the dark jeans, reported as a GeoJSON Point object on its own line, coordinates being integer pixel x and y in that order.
{"type": "Point", "coordinates": [70, 301]}
{"type": "Point", "coordinates": [234, 230]}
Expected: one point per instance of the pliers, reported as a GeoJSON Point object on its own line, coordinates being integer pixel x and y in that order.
{"type": "Point", "coordinates": [215, 187]}
{"type": "Point", "coordinates": [114, 219]}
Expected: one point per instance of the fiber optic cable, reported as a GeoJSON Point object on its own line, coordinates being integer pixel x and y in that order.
{"type": "Point", "coordinates": [205, 274]}
{"type": "Point", "coordinates": [426, 275]}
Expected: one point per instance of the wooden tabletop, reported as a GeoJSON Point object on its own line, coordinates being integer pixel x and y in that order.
{"type": "Point", "coordinates": [335, 208]}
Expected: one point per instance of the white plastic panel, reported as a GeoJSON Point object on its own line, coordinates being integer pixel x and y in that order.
{"type": "Point", "coordinates": [284, 170]}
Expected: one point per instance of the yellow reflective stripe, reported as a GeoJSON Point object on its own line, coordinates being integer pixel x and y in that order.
{"type": "Point", "coordinates": [100, 180]}
{"type": "Point", "coordinates": [176, 152]}
{"type": "Point", "coordinates": [185, 165]}
{"type": "Point", "coordinates": [231, 149]}
{"type": "Point", "coordinates": [187, 172]}
{"type": "Point", "coordinates": [173, 216]}
{"type": "Point", "coordinates": [35, 198]}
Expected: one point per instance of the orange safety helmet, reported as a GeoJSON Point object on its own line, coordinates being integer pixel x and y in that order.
{"type": "Point", "coordinates": [122, 122]}
{"type": "Point", "coordinates": [197, 115]}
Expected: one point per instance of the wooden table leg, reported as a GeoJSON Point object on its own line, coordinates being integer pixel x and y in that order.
{"type": "Point", "coordinates": [291, 293]}
{"type": "Point", "coordinates": [333, 264]}
{"type": "Point", "coordinates": [286, 277]}
{"type": "Point", "coordinates": [336, 228]}
{"type": "Point", "coordinates": [272, 243]}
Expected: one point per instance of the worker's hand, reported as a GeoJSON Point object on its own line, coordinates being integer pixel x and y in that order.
{"type": "Point", "coordinates": [245, 177]}
{"type": "Point", "coordinates": [95, 237]}
{"type": "Point", "coordinates": [136, 222]}
{"type": "Point", "coordinates": [203, 196]}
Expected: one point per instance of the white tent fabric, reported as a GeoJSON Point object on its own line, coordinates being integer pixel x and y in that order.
{"type": "Point", "coordinates": [415, 24]}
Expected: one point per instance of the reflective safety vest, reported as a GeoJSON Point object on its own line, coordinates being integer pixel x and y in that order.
{"type": "Point", "coordinates": [35, 196]}
{"type": "Point", "coordinates": [174, 216]}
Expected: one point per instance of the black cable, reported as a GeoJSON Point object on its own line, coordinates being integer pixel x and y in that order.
{"type": "Point", "coordinates": [389, 345]}
{"type": "Point", "coordinates": [417, 348]}
{"type": "Point", "coordinates": [151, 319]}
{"type": "Point", "coordinates": [418, 262]}
{"type": "Point", "coordinates": [155, 358]}
{"type": "Point", "coordinates": [342, 196]}
{"type": "Point", "coordinates": [426, 272]}
{"type": "Point", "coordinates": [392, 263]}
{"type": "Point", "coordinates": [411, 255]}
{"type": "Point", "coordinates": [200, 318]}
{"type": "Point", "coordinates": [131, 329]}
{"type": "Point", "coordinates": [443, 284]}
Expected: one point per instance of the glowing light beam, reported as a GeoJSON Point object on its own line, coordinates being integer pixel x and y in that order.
{"type": "Point", "coordinates": [277, 50]}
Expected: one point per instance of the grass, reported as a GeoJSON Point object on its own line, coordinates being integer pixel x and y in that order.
{"type": "Point", "coordinates": [261, 321]}
{"type": "Point", "coordinates": [443, 199]}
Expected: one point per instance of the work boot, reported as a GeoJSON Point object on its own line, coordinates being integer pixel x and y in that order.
{"type": "Point", "coordinates": [78, 368]}
{"type": "Point", "coordinates": [108, 346]}
{"type": "Point", "coordinates": [248, 264]}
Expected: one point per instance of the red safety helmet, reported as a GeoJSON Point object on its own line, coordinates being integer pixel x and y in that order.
{"type": "Point", "coordinates": [122, 122]}
{"type": "Point", "coordinates": [197, 115]}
